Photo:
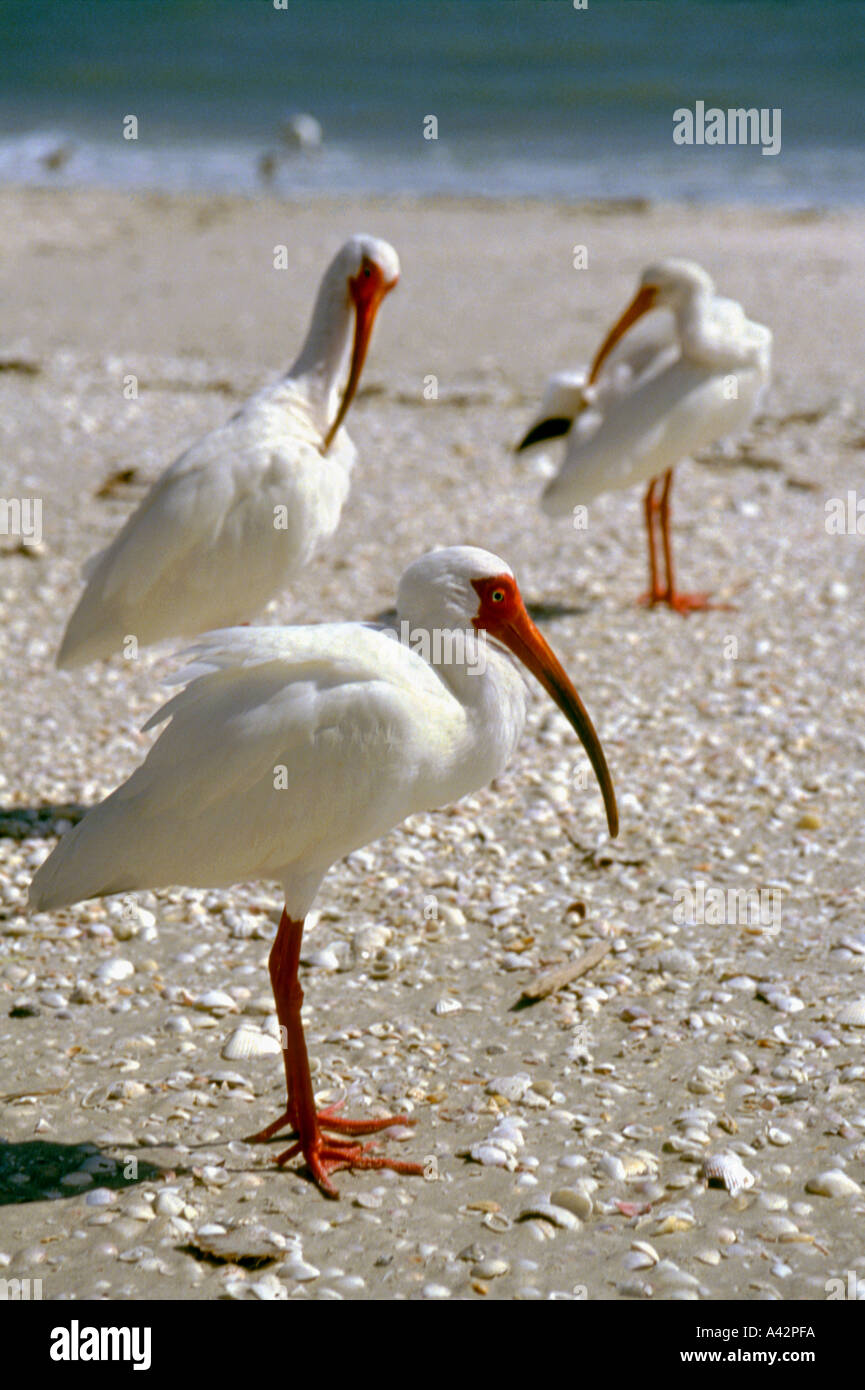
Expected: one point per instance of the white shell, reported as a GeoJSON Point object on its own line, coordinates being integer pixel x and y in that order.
{"type": "Point", "coordinates": [491, 1156]}
{"type": "Point", "coordinates": [247, 1041]}
{"type": "Point", "coordinates": [853, 1014]}
{"type": "Point", "coordinates": [728, 1169]}
{"type": "Point", "coordinates": [448, 1006]}
{"type": "Point", "coordinates": [511, 1088]}
{"type": "Point", "coordinates": [112, 971]}
{"type": "Point", "coordinates": [216, 1001]}
{"type": "Point", "coordinates": [548, 1211]}
{"type": "Point", "coordinates": [833, 1182]}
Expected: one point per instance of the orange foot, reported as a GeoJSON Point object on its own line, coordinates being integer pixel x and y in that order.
{"type": "Point", "coordinates": [682, 603]}
{"type": "Point", "coordinates": [325, 1154]}
{"type": "Point", "coordinates": [328, 1119]}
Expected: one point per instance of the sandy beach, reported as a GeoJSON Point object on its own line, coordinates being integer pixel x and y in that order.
{"type": "Point", "coordinates": [738, 765]}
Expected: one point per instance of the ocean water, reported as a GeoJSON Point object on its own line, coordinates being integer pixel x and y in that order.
{"type": "Point", "coordinates": [530, 97]}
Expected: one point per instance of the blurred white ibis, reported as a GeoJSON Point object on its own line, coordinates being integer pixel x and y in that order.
{"type": "Point", "coordinates": [368, 730]}
{"type": "Point", "coordinates": [657, 399]}
{"type": "Point", "coordinates": [243, 509]}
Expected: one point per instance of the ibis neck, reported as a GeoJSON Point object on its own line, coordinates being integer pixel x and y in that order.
{"type": "Point", "coordinates": [692, 319]}
{"type": "Point", "coordinates": [322, 361]}
{"type": "Point", "coordinates": [491, 691]}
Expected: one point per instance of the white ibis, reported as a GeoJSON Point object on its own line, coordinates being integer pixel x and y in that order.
{"type": "Point", "coordinates": [243, 509]}
{"type": "Point", "coordinates": [658, 399]}
{"type": "Point", "coordinates": [368, 729]}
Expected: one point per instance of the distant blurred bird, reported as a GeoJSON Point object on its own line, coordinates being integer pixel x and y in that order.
{"type": "Point", "coordinates": [300, 131]}
{"type": "Point", "coordinates": [244, 508]}
{"type": "Point", "coordinates": [660, 397]}
{"type": "Point", "coordinates": [292, 746]}
{"type": "Point", "coordinates": [299, 134]}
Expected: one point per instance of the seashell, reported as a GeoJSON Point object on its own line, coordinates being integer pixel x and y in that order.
{"type": "Point", "coordinates": [777, 1136]}
{"type": "Point", "coordinates": [637, 1259]}
{"type": "Point", "coordinates": [779, 1227]}
{"type": "Point", "coordinates": [451, 916]}
{"type": "Point", "coordinates": [228, 1078]}
{"type": "Point", "coordinates": [511, 1088]}
{"type": "Point", "coordinates": [325, 958]}
{"type": "Point", "coordinates": [490, 1269]}
{"type": "Point", "coordinates": [546, 1210]}
{"type": "Point", "coordinates": [729, 1170]}
{"type": "Point", "coordinates": [646, 1249]}
{"type": "Point", "coordinates": [853, 1014]}
{"type": "Point", "coordinates": [447, 1006]}
{"type": "Point", "coordinates": [496, 1221]}
{"type": "Point", "coordinates": [671, 1277]}
{"type": "Point", "coordinates": [675, 1221]}
{"type": "Point", "coordinates": [580, 1203]}
{"type": "Point", "coordinates": [508, 1135]}
{"type": "Point", "coordinates": [491, 1156]}
{"type": "Point", "coordinates": [126, 1090]}
{"type": "Point", "coordinates": [369, 940]}
{"type": "Point", "coordinates": [832, 1182]}
{"type": "Point", "coordinates": [216, 1001]}
{"type": "Point", "coordinates": [112, 971]}
{"type": "Point", "coordinates": [247, 1041]}
{"type": "Point", "coordinates": [169, 1204]}
{"type": "Point", "coordinates": [52, 999]}
{"type": "Point", "coordinates": [782, 1001]}
{"type": "Point", "coordinates": [300, 1270]}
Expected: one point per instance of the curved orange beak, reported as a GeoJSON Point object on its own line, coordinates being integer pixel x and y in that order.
{"type": "Point", "coordinates": [368, 288]}
{"type": "Point", "coordinates": [520, 635]}
{"type": "Point", "coordinates": [643, 301]}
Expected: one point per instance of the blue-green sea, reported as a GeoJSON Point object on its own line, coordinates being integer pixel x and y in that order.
{"type": "Point", "coordinates": [539, 98]}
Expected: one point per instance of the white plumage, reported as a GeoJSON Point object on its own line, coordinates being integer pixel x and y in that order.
{"type": "Point", "coordinates": [242, 510]}
{"type": "Point", "coordinates": [290, 747]}
{"type": "Point", "coordinates": [367, 730]}
{"type": "Point", "coordinates": [652, 399]}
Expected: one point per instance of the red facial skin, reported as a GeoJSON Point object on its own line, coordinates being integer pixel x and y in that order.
{"type": "Point", "coordinates": [367, 289]}
{"type": "Point", "coordinates": [503, 615]}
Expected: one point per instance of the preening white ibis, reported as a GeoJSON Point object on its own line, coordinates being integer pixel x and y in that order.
{"type": "Point", "coordinates": [654, 400]}
{"type": "Point", "coordinates": [241, 511]}
{"type": "Point", "coordinates": [369, 730]}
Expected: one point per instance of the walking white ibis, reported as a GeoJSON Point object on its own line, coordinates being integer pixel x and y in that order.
{"type": "Point", "coordinates": [368, 729]}
{"type": "Point", "coordinates": [656, 399]}
{"type": "Point", "coordinates": [243, 509]}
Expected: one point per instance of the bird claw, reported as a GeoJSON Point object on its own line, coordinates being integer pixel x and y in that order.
{"type": "Point", "coordinates": [329, 1155]}
{"type": "Point", "coordinates": [326, 1154]}
{"type": "Point", "coordinates": [682, 603]}
{"type": "Point", "coordinates": [327, 1119]}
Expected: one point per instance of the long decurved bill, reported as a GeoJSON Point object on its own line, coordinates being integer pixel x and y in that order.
{"type": "Point", "coordinates": [517, 632]}
{"type": "Point", "coordinates": [368, 288]}
{"type": "Point", "coordinates": [643, 301]}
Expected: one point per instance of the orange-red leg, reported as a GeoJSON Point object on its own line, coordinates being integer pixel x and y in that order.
{"type": "Point", "coordinates": [324, 1154]}
{"type": "Point", "coordinates": [682, 603]}
{"type": "Point", "coordinates": [655, 593]}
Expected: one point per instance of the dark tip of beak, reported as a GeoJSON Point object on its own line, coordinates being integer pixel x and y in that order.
{"type": "Point", "coordinates": [554, 428]}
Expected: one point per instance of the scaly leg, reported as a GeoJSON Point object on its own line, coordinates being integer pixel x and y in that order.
{"type": "Point", "coordinates": [655, 593]}
{"type": "Point", "coordinates": [682, 603]}
{"type": "Point", "coordinates": [323, 1153]}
